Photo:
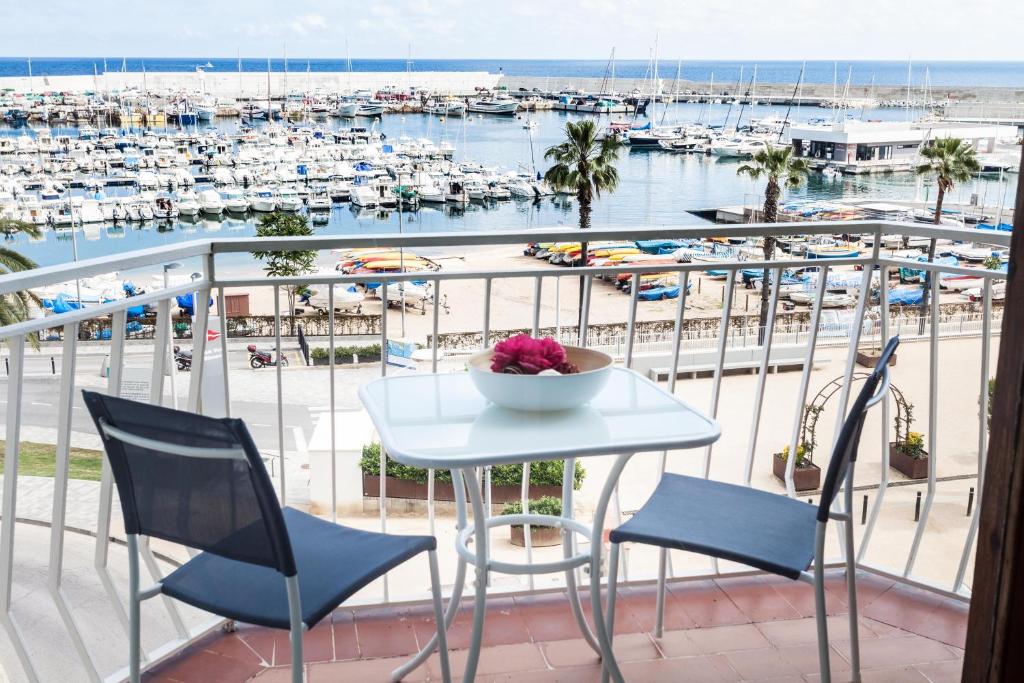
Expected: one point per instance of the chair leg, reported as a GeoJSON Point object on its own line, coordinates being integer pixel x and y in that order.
{"type": "Point", "coordinates": [134, 612]}
{"type": "Point", "coordinates": [134, 638]}
{"type": "Point", "coordinates": [295, 634]}
{"type": "Point", "coordinates": [613, 581]}
{"type": "Point", "coordinates": [659, 605]}
{"type": "Point", "coordinates": [296, 626]}
{"type": "Point", "coordinates": [851, 592]}
{"type": "Point", "coordinates": [442, 637]}
{"type": "Point", "coordinates": [820, 616]}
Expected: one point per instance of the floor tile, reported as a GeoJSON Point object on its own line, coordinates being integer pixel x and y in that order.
{"type": "Point", "coordinates": [804, 659]}
{"type": "Point", "coordinates": [720, 639]}
{"type": "Point", "coordinates": [502, 659]}
{"type": "Point", "coordinates": [942, 672]}
{"type": "Point", "coordinates": [385, 633]}
{"type": "Point", "coordinates": [707, 604]}
{"type": "Point", "coordinates": [757, 599]}
{"type": "Point", "coordinates": [701, 669]}
{"type": "Point", "coordinates": [763, 662]}
{"type": "Point", "coordinates": [361, 670]}
{"type": "Point", "coordinates": [891, 652]}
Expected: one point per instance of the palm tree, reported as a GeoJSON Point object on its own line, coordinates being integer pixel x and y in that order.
{"type": "Point", "coordinates": [776, 164]}
{"type": "Point", "coordinates": [585, 165]}
{"type": "Point", "coordinates": [952, 161]}
{"type": "Point", "coordinates": [16, 306]}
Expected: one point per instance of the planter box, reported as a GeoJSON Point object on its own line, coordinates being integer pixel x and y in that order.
{"type": "Point", "coordinates": [346, 360]}
{"type": "Point", "coordinates": [443, 490]}
{"type": "Point", "coordinates": [804, 478]}
{"type": "Point", "coordinates": [911, 467]}
{"type": "Point", "coordinates": [869, 358]}
{"type": "Point", "coordinates": [540, 536]}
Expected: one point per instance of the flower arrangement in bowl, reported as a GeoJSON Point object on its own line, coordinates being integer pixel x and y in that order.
{"type": "Point", "coordinates": [524, 373]}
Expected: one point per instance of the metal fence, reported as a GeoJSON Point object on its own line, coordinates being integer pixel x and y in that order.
{"type": "Point", "coordinates": [29, 642]}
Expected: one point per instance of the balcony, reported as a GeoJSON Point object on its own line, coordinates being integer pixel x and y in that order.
{"type": "Point", "coordinates": [62, 537]}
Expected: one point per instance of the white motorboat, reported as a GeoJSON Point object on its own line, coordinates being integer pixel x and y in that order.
{"type": "Point", "coordinates": [352, 108]}
{"type": "Point", "coordinates": [430, 193]}
{"type": "Point", "coordinates": [319, 200]}
{"type": "Point", "coordinates": [499, 105]}
{"type": "Point", "coordinates": [346, 298]}
{"type": "Point", "coordinates": [288, 199]}
{"type": "Point", "coordinates": [234, 200]}
{"type": "Point", "coordinates": [188, 205]}
{"type": "Point", "coordinates": [445, 107]}
{"type": "Point", "coordinates": [738, 148]}
{"type": "Point", "coordinates": [458, 193]}
{"type": "Point", "coordinates": [263, 199]}
{"type": "Point", "coordinates": [339, 190]}
{"type": "Point", "coordinates": [363, 195]}
{"type": "Point", "coordinates": [164, 208]}
{"type": "Point", "coordinates": [90, 212]}
{"type": "Point", "coordinates": [211, 203]}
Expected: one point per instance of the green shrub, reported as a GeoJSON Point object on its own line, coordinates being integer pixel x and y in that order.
{"type": "Point", "coordinates": [548, 505]}
{"type": "Point", "coordinates": [547, 473]}
{"type": "Point", "coordinates": [345, 352]}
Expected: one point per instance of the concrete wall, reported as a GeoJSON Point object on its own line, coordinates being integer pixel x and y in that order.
{"type": "Point", "coordinates": [254, 84]}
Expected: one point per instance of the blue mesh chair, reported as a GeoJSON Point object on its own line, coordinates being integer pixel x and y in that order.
{"type": "Point", "coordinates": [200, 482]}
{"type": "Point", "coordinates": [774, 533]}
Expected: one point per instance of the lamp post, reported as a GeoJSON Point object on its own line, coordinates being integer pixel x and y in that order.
{"type": "Point", "coordinates": [173, 368]}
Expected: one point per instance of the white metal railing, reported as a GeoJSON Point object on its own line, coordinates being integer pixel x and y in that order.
{"type": "Point", "coordinates": [809, 338]}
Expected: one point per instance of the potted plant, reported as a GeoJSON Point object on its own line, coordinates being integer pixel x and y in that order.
{"type": "Point", "coordinates": [868, 357]}
{"type": "Point", "coordinates": [907, 454]}
{"type": "Point", "coordinates": [404, 481]}
{"type": "Point", "coordinates": [540, 535]}
{"type": "Point", "coordinates": [869, 354]}
{"type": "Point", "coordinates": [806, 475]}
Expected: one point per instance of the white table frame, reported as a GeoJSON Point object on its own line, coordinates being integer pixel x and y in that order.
{"type": "Point", "coordinates": [467, 479]}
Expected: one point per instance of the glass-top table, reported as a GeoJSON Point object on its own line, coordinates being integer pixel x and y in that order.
{"type": "Point", "coordinates": [441, 421]}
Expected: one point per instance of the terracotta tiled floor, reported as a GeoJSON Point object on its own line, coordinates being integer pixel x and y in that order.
{"type": "Point", "coordinates": [738, 629]}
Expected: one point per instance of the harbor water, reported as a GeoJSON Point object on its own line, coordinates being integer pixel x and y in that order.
{"type": "Point", "coordinates": [657, 188]}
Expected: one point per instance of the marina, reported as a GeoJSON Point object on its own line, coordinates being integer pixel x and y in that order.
{"type": "Point", "coordinates": [410, 303]}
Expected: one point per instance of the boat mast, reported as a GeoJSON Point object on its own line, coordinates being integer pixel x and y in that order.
{"type": "Point", "coordinates": [796, 90]}
{"type": "Point", "coordinates": [348, 63]}
{"type": "Point", "coordinates": [655, 85]}
{"type": "Point", "coordinates": [270, 109]}
{"type": "Point", "coordinates": [910, 75]}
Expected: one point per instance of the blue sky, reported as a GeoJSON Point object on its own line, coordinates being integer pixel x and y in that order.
{"type": "Point", "coordinates": [528, 29]}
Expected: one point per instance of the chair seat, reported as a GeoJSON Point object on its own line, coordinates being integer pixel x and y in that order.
{"type": "Point", "coordinates": [771, 532]}
{"type": "Point", "coordinates": [333, 562]}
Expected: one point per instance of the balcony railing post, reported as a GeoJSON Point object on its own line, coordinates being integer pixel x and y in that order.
{"type": "Point", "coordinates": [12, 447]}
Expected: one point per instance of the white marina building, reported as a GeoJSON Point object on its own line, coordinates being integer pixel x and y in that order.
{"type": "Point", "coordinates": [879, 146]}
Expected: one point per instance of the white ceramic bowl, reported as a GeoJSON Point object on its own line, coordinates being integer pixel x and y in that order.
{"type": "Point", "coordinates": [543, 392]}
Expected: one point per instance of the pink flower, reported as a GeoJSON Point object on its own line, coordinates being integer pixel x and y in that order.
{"type": "Point", "coordinates": [522, 354]}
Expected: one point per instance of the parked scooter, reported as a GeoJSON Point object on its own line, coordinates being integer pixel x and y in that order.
{"type": "Point", "coordinates": [183, 359]}
{"type": "Point", "coordinates": [262, 358]}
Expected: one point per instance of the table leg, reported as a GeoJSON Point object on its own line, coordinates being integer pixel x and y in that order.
{"type": "Point", "coordinates": [596, 543]}
{"type": "Point", "coordinates": [457, 587]}
{"type": "Point", "coordinates": [480, 551]}
{"type": "Point", "coordinates": [568, 550]}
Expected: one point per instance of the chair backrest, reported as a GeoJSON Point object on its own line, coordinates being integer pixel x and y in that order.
{"type": "Point", "coordinates": [845, 451]}
{"type": "Point", "coordinates": [193, 480]}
